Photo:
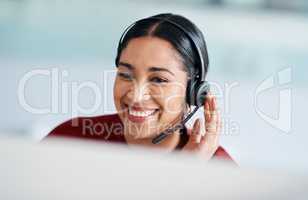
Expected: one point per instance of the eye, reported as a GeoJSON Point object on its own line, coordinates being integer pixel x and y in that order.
{"type": "Point", "coordinates": [159, 80]}
{"type": "Point", "coordinates": [126, 76]}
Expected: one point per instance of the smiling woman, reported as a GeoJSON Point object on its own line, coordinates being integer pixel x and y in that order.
{"type": "Point", "coordinates": [152, 89]}
{"type": "Point", "coordinates": [162, 62]}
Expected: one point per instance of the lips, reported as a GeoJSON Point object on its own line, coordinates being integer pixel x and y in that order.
{"type": "Point", "coordinates": [145, 113]}
{"type": "Point", "coordinates": [139, 115]}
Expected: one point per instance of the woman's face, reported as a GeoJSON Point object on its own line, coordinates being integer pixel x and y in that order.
{"type": "Point", "coordinates": [150, 86]}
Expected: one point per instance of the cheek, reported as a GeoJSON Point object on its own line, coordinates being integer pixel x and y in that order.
{"type": "Point", "coordinates": [119, 90]}
{"type": "Point", "coordinates": [173, 100]}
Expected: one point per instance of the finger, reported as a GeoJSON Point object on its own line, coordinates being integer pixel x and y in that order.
{"type": "Point", "coordinates": [218, 122]}
{"type": "Point", "coordinates": [195, 135]}
{"type": "Point", "coordinates": [210, 126]}
{"type": "Point", "coordinates": [212, 108]}
{"type": "Point", "coordinates": [213, 105]}
{"type": "Point", "coordinates": [209, 107]}
{"type": "Point", "coordinates": [217, 117]}
{"type": "Point", "coordinates": [213, 128]}
{"type": "Point", "coordinates": [211, 138]}
{"type": "Point", "coordinates": [207, 114]}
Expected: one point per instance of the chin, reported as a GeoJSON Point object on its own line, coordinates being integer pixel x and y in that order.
{"type": "Point", "coordinates": [140, 136]}
{"type": "Point", "coordinates": [138, 132]}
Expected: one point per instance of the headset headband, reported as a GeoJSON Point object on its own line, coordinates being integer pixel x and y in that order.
{"type": "Point", "coordinates": [202, 67]}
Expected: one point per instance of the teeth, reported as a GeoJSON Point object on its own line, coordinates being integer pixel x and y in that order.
{"type": "Point", "coordinates": [141, 114]}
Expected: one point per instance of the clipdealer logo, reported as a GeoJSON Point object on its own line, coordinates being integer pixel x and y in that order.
{"type": "Point", "coordinates": [280, 81]}
{"type": "Point", "coordinates": [60, 91]}
{"type": "Point", "coordinates": [65, 95]}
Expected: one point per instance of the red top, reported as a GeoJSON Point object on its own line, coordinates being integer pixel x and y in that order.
{"type": "Point", "coordinates": [107, 128]}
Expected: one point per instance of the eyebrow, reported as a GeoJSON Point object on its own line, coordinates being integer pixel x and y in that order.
{"type": "Point", "coordinates": [129, 66]}
{"type": "Point", "coordinates": [151, 69]}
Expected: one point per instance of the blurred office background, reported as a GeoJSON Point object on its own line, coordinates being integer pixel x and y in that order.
{"type": "Point", "coordinates": [248, 42]}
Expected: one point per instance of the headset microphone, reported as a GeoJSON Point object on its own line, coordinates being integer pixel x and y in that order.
{"type": "Point", "coordinates": [169, 131]}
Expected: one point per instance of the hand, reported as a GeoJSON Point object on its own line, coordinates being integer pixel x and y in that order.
{"type": "Point", "coordinates": [205, 145]}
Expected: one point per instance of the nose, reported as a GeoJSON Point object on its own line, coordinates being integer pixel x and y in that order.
{"type": "Point", "coordinates": [138, 93]}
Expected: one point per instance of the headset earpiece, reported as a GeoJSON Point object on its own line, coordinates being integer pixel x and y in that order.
{"type": "Point", "coordinates": [201, 93]}
{"type": "Point", "coordinates": [196, 92]}
{"type": "Point", "coordinates": [190, 92]}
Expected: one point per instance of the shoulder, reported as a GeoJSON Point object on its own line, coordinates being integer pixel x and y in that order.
{"type": "Point", "coordinates": [221, 153]}
{"type": "Point", "coordinates": [104, 127]}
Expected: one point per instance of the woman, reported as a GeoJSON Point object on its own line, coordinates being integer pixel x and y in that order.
{"type": "Point", "coordinates": [161, 63]}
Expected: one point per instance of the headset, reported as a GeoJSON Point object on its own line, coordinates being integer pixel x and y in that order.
{"type": "Point", "coordinates": [197, 88]}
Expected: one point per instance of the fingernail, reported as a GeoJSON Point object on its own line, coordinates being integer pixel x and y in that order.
{"type": "Point", "coordinates": [197, 122]}
{"type": "Point", "coordinates": [196, 125]}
